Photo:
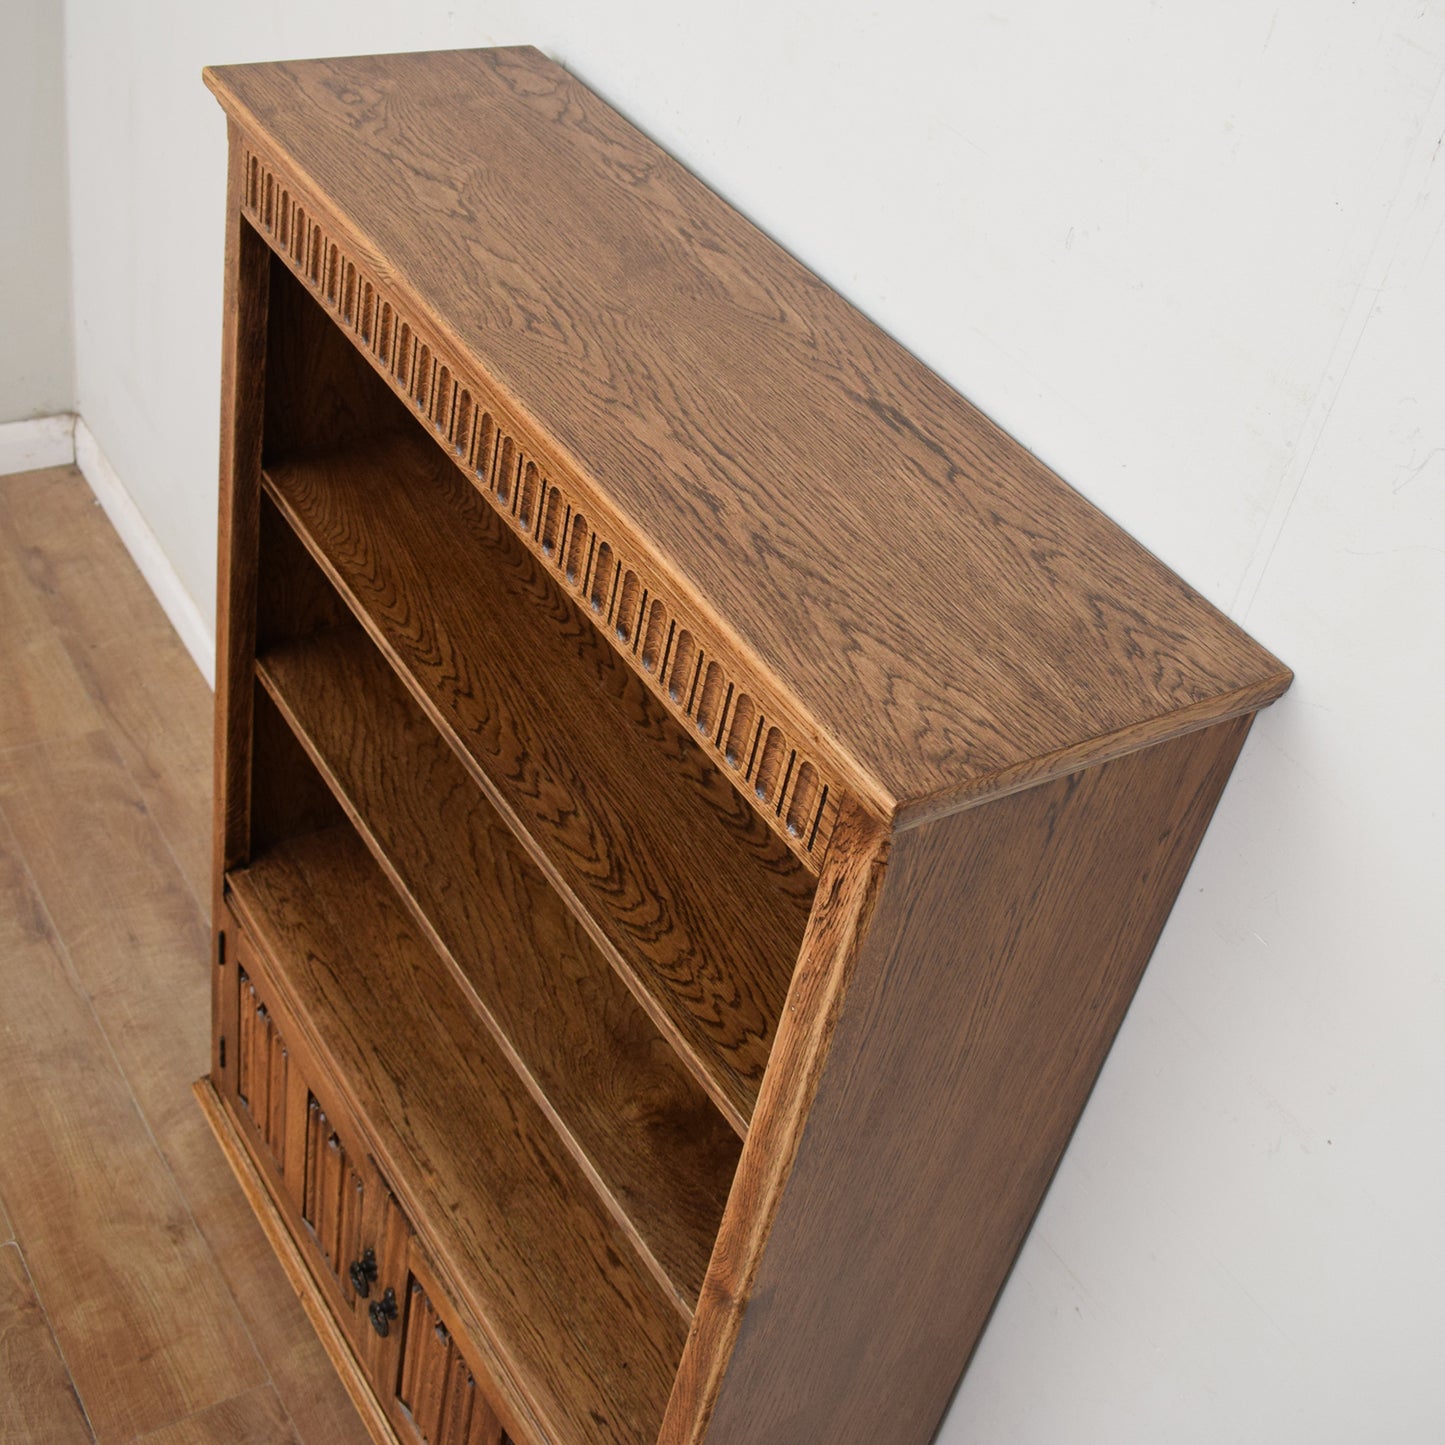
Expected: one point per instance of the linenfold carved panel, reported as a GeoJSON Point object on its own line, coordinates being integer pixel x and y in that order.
{"type": "Point", "coordinates": [437, 1386]}
{"type": "Point", "coordinates": [261, 1071]}
{"type": "Point", "coordinates": [731, 718]}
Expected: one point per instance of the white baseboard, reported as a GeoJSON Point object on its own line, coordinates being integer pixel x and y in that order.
{"type": "Point", "coordinates": [43, 441]}
{"type": "Point", "coordinates": [146, 552]}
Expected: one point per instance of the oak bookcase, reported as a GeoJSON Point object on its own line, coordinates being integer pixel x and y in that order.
{"type": "Point", "coordinates": [694, 798]}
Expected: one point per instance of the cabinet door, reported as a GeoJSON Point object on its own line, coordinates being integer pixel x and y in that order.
{"type": "Point", "coordinates": [320, 1177]}
{"type": "Point", "coordinates": [336, 1186]}
{"type": "Point", "coordinates": [440, 1399]}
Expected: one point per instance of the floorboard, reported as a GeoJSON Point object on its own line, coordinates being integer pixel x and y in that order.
{"type": "Point", "coordinates": [98, 607]}
{"type": "Point", "coordinates": [121, 1201]}
{"type": "Point", "coordinates": [43, 696]}
{"type": "Point", "coordinates": [135, 1300]}
{"type": "Point", "coordinates": [37, 1400]}
{"type": "Point", "coordinates": [255, 1418]}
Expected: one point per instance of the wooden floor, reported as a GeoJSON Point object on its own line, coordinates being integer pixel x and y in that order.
{"type": "Point", "coordinates": [138, 1299]}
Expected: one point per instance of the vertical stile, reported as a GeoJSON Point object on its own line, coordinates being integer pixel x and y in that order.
{"type": "Point", "coordinates": [311, 1183]}
{"type": "Point", "coordinates": [329, 1167]}
{"type": "Point", "coordinates": [276, 1085]}
{"type": "Point", "coordinates": [412, 1331]}
{"type": "Point", "coordinates": [244, 1045]}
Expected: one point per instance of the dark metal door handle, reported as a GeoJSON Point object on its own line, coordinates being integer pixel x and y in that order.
{"type": "Point", "coordinates": [382, 1312]}
{"type": "Point", "coordinates": [363, 1272]}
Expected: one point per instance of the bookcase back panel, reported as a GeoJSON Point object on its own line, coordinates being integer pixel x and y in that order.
{"type": "Point", "coordinates": [288, 796]}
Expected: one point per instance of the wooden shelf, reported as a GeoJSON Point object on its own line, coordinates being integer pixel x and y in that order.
{"type": "Point", "coordinates": [590, 1338]}
{"type": "Point", "coordinates": [700, 905]}
{"type": "Point", "coordinates": [658, 1150]}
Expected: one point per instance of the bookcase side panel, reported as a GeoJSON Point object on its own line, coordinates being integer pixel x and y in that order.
{"type": "Point", "coordinates": [243, 357]}
{"type": "Point", "coordinates": [849, 888]}
{"type": "Point", "coordinates": [995, 970]}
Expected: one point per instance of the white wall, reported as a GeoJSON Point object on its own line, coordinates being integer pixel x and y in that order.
{"type": "Point", "coordinates": [1193, 256]}
{"type": "Point", "coordinates": [36, 369]}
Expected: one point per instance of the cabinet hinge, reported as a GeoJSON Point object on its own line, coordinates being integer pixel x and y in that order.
{"type": "Point", "coordinates": [221, 1051]}
{"type": "Point", "coordinates": [221, 949]}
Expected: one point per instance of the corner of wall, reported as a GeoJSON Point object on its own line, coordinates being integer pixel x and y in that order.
{"type": "Point", "coordinates": [40, 441]}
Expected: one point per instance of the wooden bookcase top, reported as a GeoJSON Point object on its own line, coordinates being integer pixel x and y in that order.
{"type": "Point", "coordinates": [917, 605]}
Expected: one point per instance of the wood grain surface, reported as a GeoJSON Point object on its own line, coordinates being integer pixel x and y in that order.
{"type": "Point", "coordinates": [981, 998]}
{"type": "Point", "coordinates": [700, 904]}
{"type": "Point", "coordinates": [142, 686]}
{"type": "Point", "coordinates": [661, 1154]}
{"type": "Point", "coordinates": [673, 649]}
{"type": "Point", "coordinates": [255, 1418]}
{"type": "Point", "coordinates": [586, 1336]}
{"type": "Point", "coordinates": [109, 1240]}
{"type": "Point", "coordinates": [107, 814]}
{"type": "Point", "coordinates": [43, 697]}
{"type": "Point", "coordinates": [517, 1429]}
{"type": "Point", "coordinates": [37, 1400]}
{"type": "Point", "coordinates": [941, 606]}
